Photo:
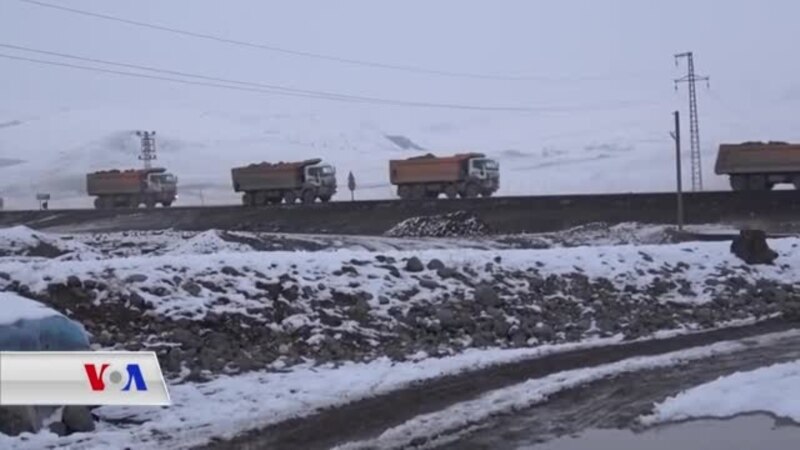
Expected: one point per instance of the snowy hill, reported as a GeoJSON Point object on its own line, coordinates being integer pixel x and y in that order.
{"type": "Point", "coordinates": [52, 153]}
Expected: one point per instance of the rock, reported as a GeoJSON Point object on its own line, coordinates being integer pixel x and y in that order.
{"type": "Point", "coordinates": [435, 264]}
{"type": "Point", "coordinates": [74, 282]}
{"type": "Point", "coordinates": [429, 284]}
{"type": "Point", "coordinates": [192, 288]}
{"type": "Point", "coordinates": [751, 247]}
{"type": "Point", "coordinates": [78, 419]}
{"type": "Point", "coordinates": [4, 276]}
{"type": "Point", "coordinates": [291, 294]}
{"type": "Point", "coordinates": [446, 272]}
{"type": "Point", "coordinates": [136, 278]}
{"type": "Point", "coordinates": [230, 271]}
{"type": "Point", "coordinates": [137, 301]}
{"type": "Point", "coordinates": [543, 332]}
{"type": "Point", "coordinates": [383, 300]}
{"type": "Point", "coordinates": [486, 295]}
{"type": "Point", "coordinates": [414, 265]}
{"type": "Point", "coordinates": [58, 428]}
{"type": "Point", "coordinates": [15, 420]}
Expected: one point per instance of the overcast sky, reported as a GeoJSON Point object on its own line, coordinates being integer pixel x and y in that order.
{"type": "Point", "coordinates": [590, 52]}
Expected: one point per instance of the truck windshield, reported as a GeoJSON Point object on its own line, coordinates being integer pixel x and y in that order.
{"type": "Point", "coordinates": [485, 164]}
{"type": "Point", "coordinates": [321, 170]}
{"type": "Point", "coordinates": [166, 178]}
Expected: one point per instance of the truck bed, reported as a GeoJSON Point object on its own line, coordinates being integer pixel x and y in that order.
{"type": "Point", "coordinates": [428, 169]}
{"type": "Point", "coordinates": [757, 158]}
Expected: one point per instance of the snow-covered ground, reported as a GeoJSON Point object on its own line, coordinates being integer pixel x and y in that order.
{"type": "Point", "coordinates": [227, 406]}
{"type": "Point", "coordinates": [774, 389]}
{"type": "Point", "coordinates": [56, 150]}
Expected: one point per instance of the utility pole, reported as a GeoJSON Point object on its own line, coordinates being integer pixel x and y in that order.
{"type": "Point", "coordinates": [148, 154]}
{"type": "Point", "coordinates": [694, 126]}
{"type": "Point", "coordinates": [676, 135]}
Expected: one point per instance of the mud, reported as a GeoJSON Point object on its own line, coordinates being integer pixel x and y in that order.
{"type": "Point", "coordinates": [616, 403]}
{"type": "Point", "coordinates": [368, 418]}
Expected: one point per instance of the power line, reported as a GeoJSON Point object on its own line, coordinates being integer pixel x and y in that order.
{"type": "Point", "coordinates": [694, 125]}
{"type": "Point", "coordinates": [275, 89]}
{"type": "Point", "coordinates": [306, 54]}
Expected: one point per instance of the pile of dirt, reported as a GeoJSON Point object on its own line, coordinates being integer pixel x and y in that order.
{"type": "Point", "coordinates": [456, 224]}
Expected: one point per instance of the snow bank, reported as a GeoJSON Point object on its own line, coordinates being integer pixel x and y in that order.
{"type": "Point", "coordinates": [14, 308]}
{"type": "Point", "coordinates": [27, 325]}
{"type": "Point", "coordinates": [774, 389]}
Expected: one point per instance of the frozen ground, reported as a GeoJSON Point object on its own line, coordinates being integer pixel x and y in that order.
{"type": "Point", "coordinates": [774, 389]}
{"type": "Point", "coordinates": [227, 406]}
{"type": "Point", "coordinates": [229, 319]}
{"type": "Point", "coordinates": [21, 241]}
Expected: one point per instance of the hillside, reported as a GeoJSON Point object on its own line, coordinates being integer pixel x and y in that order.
{"type": "Point", "coordinates": [51, 153]}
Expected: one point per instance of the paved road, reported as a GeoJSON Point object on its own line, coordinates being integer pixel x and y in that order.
{"type": "Point", "coordinates": [504, 214]}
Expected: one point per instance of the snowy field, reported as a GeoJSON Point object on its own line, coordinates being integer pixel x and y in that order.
{"type": "Point", "coordinates": [53, 152]}
{"type": "Point", "coordinates": [283, 324]}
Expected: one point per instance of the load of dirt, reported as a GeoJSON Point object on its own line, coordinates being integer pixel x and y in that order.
{"type": "Point", "coordinates": [456, 224]}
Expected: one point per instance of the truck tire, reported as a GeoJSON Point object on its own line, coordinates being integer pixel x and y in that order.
{"type": "Point", "coordinates": [738, 182]}
{"type": "Point", "coordinates": [247, 199]}
{"type": "Point", "coordinates": [471, 191]}
{"type": "Point", "coordinates": [166, 204]}
{"type": "Point", "coordinates": [309, 197]}
{"type": "Point", "coordinates": [260, 199]}
{"type": "Point", "coordinates": [418, 192]}
{"type": "Point", "coordinates": [451, 191]}
{"type": "Point", "coordinates": [757, 183]}
{"type": "Point", "coordinates": [99, 203]}
{"type": "Point", "coordinates": [290, 197]}
{"type": "Point", "coordinates": [325, 198]}
{"type": "Point", "coordinates": [148, 203]}
{"type": "Point", "coordinates": [404, 192]}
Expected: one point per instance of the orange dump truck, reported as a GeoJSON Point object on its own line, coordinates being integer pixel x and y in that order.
{"type": "Point", "coordinates": [267, 183]}
{"type": "Point", "coordinates": [131, 188]}
{"type": "Point", "coordinates": [759, 166]}
{"type": "Point", "coordinates": [467, 175]}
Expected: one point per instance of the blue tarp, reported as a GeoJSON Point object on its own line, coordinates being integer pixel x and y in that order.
{"type": "Point", "coordinates": [54, 333]}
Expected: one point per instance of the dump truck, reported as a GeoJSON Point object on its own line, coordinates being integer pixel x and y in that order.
{"type": "Point", "coordinates": [131, 188]}
{"type": "Point", "coordinates": [759, 166]}
{"type": "Point", "coordinates": [266, 183]}
{"type": "Point", "coordinates": [467, 175]}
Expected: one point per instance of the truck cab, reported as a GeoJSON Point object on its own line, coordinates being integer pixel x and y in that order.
{"type": "Point", "coordinates": [161, 181]}
{"type": "Point", "coordinates": [320, 175]}
{"type": "Point", "coordinates": [483, 169]}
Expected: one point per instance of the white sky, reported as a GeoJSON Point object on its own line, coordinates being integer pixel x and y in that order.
{"type": "Point", "coordinates": [747, 47]}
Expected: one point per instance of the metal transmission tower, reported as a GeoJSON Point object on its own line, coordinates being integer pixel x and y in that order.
{"type": "Point", "coordinates": [694, 126]}
{"type": "Point", "coordinates": [148, 147]}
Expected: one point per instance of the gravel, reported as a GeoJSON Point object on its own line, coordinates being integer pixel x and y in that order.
{"type": "Point", "coordinates": [456, 224]}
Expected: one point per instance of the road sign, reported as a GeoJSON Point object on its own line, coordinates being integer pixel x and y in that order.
{"type": "Point", "coordinates": [351, 184]}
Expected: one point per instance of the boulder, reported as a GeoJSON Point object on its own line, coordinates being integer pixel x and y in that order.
{"type": "Point", "coordinates": [78, 419]}
{"type": "Point", "coordinates": [414, 265]}
{"type": "Point", "coordinates": [751, 247]}
{"type": "Point", "coordinates": [435, 264]}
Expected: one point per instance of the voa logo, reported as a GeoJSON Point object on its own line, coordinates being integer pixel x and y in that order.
{"type": "Point", "coordinates": [101, 376]}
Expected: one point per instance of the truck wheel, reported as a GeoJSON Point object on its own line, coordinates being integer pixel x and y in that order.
{"type": "Point", "coordinates": [451, 192]}
{"type": "Point", "coordinates": [404, 192]}
{"type": "Point", "coordinates": [260, 199]}
{"type": "Point", "coordinates": [290, 197]}
{"type": "Point", "coordinates": [166, 204]}
{"type": "Point", "coordinates": [149, 203]}
{"type": "Point", "coordinates": [738, 182]}
{"type": "Point", "coordinates": [471, 191]}
{"type": "Point", "coordinates": [418, 192]}
{"type": "Point", "coordinates": [325, 198]}
{"type": "Point", "coordinates": [309, 197]}
{"type": "Point", "coordinates": [757, 183]}
{"type": "Point", "coordinates": [247, 199]}
{"type": "Point", "coordinates": [99, 203]}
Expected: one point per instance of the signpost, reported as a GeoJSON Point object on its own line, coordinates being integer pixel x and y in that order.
{"type": "Point", "coordinates": [351, 184]}
{"type": "Point", "coordinates": [676, 135]}
{"type": "Point", "coordinates": [43, 199]}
